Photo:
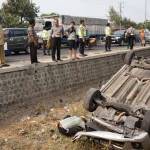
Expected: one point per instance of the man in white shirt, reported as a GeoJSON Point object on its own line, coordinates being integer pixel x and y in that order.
{"type": "Point", "coordinates": [108, 33]}
{"type": "Point", "coordinates": [131, 37]}
{"type": "Point", "coordinates": [56, 34]}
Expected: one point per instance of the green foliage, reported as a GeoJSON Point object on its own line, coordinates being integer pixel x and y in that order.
{"type": "Point", "coordinates": [143, 25]}
{"type": "Point", "coordinates": [148, 25]}
{"type": "Point", "coordinates": [127, 22]}
{"type": "Point", "coordinates": [16, 12]}
{"type": "Point", "coordinates": [115, 17]}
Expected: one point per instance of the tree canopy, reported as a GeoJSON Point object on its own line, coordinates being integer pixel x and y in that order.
{"type": "Point", "coordinates": [18, 11]}
{"type": "Point", "coordinates": [117, 19]}
{"type": "Point", "coordinates": [114, 16]}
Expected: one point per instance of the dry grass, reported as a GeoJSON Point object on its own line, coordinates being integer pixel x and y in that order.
{"type": "Point", "coordinates": [39, 132]}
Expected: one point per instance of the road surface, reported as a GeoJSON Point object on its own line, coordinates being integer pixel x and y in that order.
{"type": "Point", "coordinates": [23, 59]}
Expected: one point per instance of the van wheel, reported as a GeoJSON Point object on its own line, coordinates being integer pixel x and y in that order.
{"type": "Point", "coordinates": [146, 122]}
{"type": "Point", "coordinates": [129, 57]}
{"type": "Point", "coordinates": [90, 99]}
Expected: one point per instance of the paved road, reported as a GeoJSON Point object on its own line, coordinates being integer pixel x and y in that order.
{"type": "Point", "coordinates": [22, 59]}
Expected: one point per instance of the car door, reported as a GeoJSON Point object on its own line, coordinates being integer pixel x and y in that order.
{"type": "Point", "coordinates": [20, 38]}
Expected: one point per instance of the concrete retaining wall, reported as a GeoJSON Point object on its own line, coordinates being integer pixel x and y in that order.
{"type": "Point", "coordinates": [43, 80]}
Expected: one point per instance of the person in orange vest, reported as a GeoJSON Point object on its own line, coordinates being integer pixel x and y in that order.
{"type": "Point", "coordinates": [142, 37]}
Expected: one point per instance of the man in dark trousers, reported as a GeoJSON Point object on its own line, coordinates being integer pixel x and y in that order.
{"type": "Point", "coordinates": [131, 37]}
{"type": "Point", "coordinates": [57, 32]}
{"type": "Point", "coordinates": [108, 33]}
{"type": "Point", "coordinates": [33, 41]}
{"type": "Point", "coordinates": [82, 33]}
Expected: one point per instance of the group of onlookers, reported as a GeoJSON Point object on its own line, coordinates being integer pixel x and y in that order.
{"type": "Point", "coordinates": [129, 35]}
{"type": "Point", "coordinates": [52, 38]}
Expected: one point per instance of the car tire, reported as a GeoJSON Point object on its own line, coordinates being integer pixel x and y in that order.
{"type": "Point", "coordinates": [89, 102]}
{"type": "Point", "coordinates": [16, 52]}
{"type": "Point", "coordinates": [146, 122]}
{"type": "Point", "coordinates": [121, 43]}
{"type": "Point", "coordinates": [70, 132]}
{"type": "Point", "coordinates": [129, 57]}
{"type": "Point", "coordinates": [27, 50]}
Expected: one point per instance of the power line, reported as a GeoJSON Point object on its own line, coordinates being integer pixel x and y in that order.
{"type": "Point", "coordinates": [145, 10]}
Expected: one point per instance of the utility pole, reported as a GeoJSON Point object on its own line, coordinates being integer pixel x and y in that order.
{"type": "Point", "coordinates": [145, 13]}
{"type": "Point", "coordinates": [120, 12]}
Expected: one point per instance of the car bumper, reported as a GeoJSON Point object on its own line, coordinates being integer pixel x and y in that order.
{"type": "Point", "coordinates": [105, 135]}
{"type": "Point", "coordinates": [147, 40]}
{"type": "Point", "coordinates": [117, 135]}
{"type": "Point", "coordinates": [17, 46]}
{"type": "Point", "coordinates": [116, 41]}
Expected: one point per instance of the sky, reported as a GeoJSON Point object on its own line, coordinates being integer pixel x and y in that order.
{"type": "Point", "coordinates": [133, 9]}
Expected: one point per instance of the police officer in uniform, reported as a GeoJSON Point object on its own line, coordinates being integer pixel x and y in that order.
{"type": "Point", "coordinates": [82, 33]}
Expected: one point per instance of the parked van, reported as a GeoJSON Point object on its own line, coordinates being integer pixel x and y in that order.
{"type": "Point", "coordinates": [16, 40]}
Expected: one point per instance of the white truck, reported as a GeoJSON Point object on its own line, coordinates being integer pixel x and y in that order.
{"type": "Point", "coordinates": [95, 26]}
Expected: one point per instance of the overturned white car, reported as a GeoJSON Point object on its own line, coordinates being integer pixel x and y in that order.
{"type": "Point", "coordinates": [121, 108]}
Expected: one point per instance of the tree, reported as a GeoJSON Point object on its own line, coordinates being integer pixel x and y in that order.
{"type": "Point", "coordinates": [127, 22]}
{"type": "Point", "coordinates": [114, 16]}
{"type": "Point", "coordinates": [9, 20]}
{"type": "Point", "coordinates": [23, 9]}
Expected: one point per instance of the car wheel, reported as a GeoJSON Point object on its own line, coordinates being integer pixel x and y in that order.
{"type": "Point", "coordinates": [90, 99]}
{"type": "Point", "coordinates": [129, 57]}
{"type": "Point", "coordinates": [70, 132]}
{"type": "Point", "coordinates": [8, 53]}
{"type": "Point", "coordinates": [146, 122]}
{"type": "Point", "coordinates": [121, 43]}
{"type": "Point", "coordinates": [27, 50]}
{"type": "Point", "coordinates": [16, 52]}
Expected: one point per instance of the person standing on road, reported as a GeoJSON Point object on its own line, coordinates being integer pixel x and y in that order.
{"type": "Point", "coordinates": [2, 51]}
{"type": "Point", "coordinates": [72, 40]}
{"type": "Point", "coordinates": [131, 37]}
{"type": "Point", "coordinates": [33, 41]}
{"type": "Point", "coordinates": [57, 32]}
{"type": "Point", "coordinates": [45, 37]}
{"type": "Point", "coordinates": [82, 33]}
{"type": "Point", "coordinates": [108, 32]}
{"type": "Point", "coordinates": [142, 37]}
